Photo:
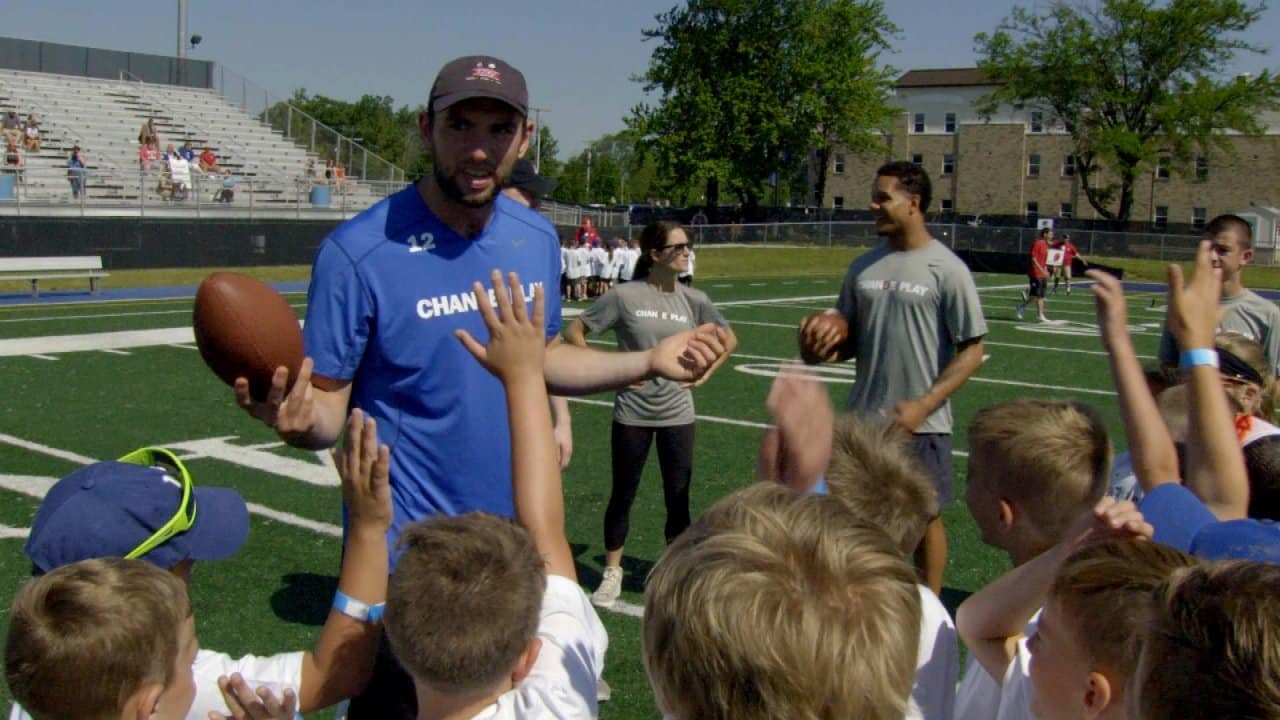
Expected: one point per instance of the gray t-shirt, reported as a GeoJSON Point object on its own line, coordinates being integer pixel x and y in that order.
{"type": "Point", "coordinates": [642, 315]}
{"type": "Point", "coordinates": [907, 311]}
{"type": "Point", "coordinates": [1249, 314]}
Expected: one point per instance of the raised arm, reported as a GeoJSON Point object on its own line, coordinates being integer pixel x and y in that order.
{"type": "Point", "coordinates": [1215, 462]}
{"type": "Point", "coordinates": [515, 355]}
{"type": "Point", "coordinates": [1151, 446]}
{"type": "Point", "coordinates": [683, 357]}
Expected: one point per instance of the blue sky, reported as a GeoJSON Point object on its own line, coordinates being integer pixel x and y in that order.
{"type": "Point", "coordinates": [578, 55]}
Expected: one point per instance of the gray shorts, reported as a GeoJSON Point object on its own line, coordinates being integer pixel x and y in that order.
{"type": "Point", "coordinates": [934, 452]}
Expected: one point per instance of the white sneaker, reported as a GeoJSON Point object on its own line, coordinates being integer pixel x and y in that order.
{"type": "Point", "coordinates": [610, 588]}
{"type": "Point", "coordinates": [1025, 297]}
{"type": "Point", "coordinates": [1019, 311]}
{"type": "Point", "coordinates": [603, 691]}
{"type": "Point", "coordinates": [1044, 319]}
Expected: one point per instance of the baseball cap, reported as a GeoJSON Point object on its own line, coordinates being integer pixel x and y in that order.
{"type": "Point", "coordinates": [524, 177]}
{"type": "Point", "coordinates": [109, 508]}
{"type": "Point", "coordinates": [479, 76]}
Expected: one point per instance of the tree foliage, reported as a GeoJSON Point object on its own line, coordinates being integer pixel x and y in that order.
{"type": "Point", "coordinates": [753, 89]}
{"type": "Point", "coordinates": [619, 172]}
{"type": "Point", "coordinates": [1131, 81]}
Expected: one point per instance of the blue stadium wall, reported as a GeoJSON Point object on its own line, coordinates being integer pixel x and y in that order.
{"type": "Point", "coordinates": [127, 243]}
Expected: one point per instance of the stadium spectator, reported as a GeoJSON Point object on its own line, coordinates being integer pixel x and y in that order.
{"type": "Point", "coordinates": [1245, 311]}
{"type": "Point", "coordinates": [31, 134]}
{"type": "Point", "coordinates": [105, 638]}
{"type": "Point", "coordinates": [1037, 275]}
{"type": "Point", "coordinates": [148, 134]}
{"type": "Point", "coordinates": [909, 312]}
{"type": "Point", "coordinates": [643, 314]}
{"type": "Point", "coordinates": [175, 182]}
{"type": "Point", "coordinates": [76, 172]}
{"type": "Point", "coordinates": [538, 649]}
{"type": "Point", "coordinates": [340, 181]}
{"type": "Point", "coordinates": [328, 171]}
{"type": "Point", "coordinates": [187, 152]}
{"type": "Point", "coordinates": [775, 604]}
{"type": "Point", "coordinates": [12, 128]}
{"type": "Point", "coordinates": [127, 509]}
{"type": "Point", "coordinates": [149, 156]}
{"type": "Point", "coordinates": [227, 188]}
{"type": "Point", "coordinates": [414, 255]}
{"type": "Point", "coordinates": [1035, 467]}
{"type": "Point", "coordinates": [208, 162]}
{"type": "Point", "coordinates": [13, 163]}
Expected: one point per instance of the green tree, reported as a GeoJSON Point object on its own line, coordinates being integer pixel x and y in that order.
{"type": "Point", "coordinates": [1131, 81]}
{"type": "Point", "coordinates": [548, 155]}
{"type": "Point", "coordinates": [619, 172]}
{"type": "Point", "coordinates": [754, 89]}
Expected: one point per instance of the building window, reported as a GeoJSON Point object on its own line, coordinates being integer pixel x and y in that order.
{"type": "Point", "coordinates": [948, 164]}
{"type": "Point", "coordinates": [1033, 165]}
{"type": "Point", "coordinates": [1162, 168]}
{"type": "Point", "coordinates": [1162, 215]}
{"type": "Point", "coordinates": [1033, 210]}
{"type": "Point", "coordinates": [1202, 168]}
{"type": "Point", "coordinates": [1065, 211]}
{"type": "Point", "coordinates": [1069, 166]}
{"type": "Point", "coordinates": [838, 202]}
{"type": "Point", "coordinates": [918, 124]}
{"type": "Point", "coordinates": [951, 122]}
{"type": "Point", "coordinates": [1198, 216]}
{"type": "Point", "coordinates": [1037, 121]}
{"type": "Point", "coordinates": [917, 159]}
{"type": "Point", "coordinates": [947, 205]}
{"type": "Point", "coordinates": [839, 166]}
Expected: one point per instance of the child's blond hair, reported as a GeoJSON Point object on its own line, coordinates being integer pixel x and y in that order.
{"type": "Point", "coordinates": [464, 601]}
{"type": "Point", "coordinates": [86, 636]}
{"type": "Point", "coordinates": [1213, 645]}
{"type": "Point", "coordinates": [778, 605]}
{"type": "Point", "coordinates": [874, 472]}
{"type": "Point", "coordinates": [1103, 591]}
{"type": "Point", "coordinates": [1050, 457]}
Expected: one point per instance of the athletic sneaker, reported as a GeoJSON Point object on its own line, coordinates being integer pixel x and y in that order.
{"type": "Point", "coordinates": [1019, 311]}
{"type": "Point", "coordinates": [610, 588]}
{"type": "Point", "coordinates": [1025, 297]}
{"type": "Point", "coordinates": [603, 691]}
{"type": "Point", "coordinates": [1044, 319]}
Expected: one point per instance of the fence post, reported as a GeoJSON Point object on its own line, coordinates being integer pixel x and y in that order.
{"type": "Point", "coordinates": [1162, 247]}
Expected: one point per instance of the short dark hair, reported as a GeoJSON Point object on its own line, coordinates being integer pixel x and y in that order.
{"type": "Point", "coordinates": [911, 177]}
{"type": "Point", "coordinates": [1262, 463]}
{"type": "Point", "coordinates": [1227, 222]}
{"type": "Point", "coordinates": [1044, 231]}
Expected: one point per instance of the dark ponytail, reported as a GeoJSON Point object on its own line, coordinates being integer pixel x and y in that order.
{"type": "Point", "coordinates": [653, 237]}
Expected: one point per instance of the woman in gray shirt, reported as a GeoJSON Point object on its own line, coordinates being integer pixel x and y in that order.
{"type": "Point", "coordinates": [652, 306]}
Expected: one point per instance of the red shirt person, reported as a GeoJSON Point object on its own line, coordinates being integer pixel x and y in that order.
{"type": "Point", "coordinates": [1038, 274]}
{"type": "Point", "coordinates": [1069, 253]}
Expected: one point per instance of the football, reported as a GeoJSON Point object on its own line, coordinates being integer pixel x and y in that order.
{"type": "Point", "coordinates": [245, 329]}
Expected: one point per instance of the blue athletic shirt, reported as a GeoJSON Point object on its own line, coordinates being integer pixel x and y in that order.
{"type": "Point", "coordinates": [388, 289]}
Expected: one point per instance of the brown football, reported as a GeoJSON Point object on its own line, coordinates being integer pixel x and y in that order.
{"type": "Point", "coordinates": [246, 329]}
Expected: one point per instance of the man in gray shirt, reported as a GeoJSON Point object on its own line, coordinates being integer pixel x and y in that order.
{"type": "Point", "coordinates": [1241, 310]}
{"type": "Point", "coordinates": [909, 314]}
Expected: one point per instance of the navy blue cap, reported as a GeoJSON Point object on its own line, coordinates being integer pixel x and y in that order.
{"type": "Point", "coordinates": [109, 508]}
{"type": "Point", "coordinates": [1182, 521]}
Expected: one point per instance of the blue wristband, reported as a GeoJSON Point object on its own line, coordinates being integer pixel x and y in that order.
{"type": "Point", "coordinates": [1197, 357]}
{"type": "Point", "coordinates": [353, 608]}
{"type": "Point", "coordinates": [819, 487]}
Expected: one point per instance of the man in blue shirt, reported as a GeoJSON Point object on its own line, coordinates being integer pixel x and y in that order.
{"type": "Point", "coordinates": [391, 288]}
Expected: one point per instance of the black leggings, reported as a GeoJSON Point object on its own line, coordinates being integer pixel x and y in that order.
{"type": "Point", "coordinates": [675, 458]}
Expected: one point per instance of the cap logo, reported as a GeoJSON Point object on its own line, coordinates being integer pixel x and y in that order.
{"type": "Point", "coordinates": [487, 72]}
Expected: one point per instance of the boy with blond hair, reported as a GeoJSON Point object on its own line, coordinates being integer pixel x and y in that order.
{"type": "Point", "coordinates": [1035, 466]}
{"type": "Point", "coordinates": [537, 648]}
{"type": "Point", "coordinates": [780, 605]}
{"type": "Point", "coordinates": [108, 638]}
{"type": "Point", "coordinates": [874, 473]}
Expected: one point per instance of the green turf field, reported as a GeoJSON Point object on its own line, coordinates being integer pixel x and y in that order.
{"type": "Point", "coordinates": [68, 402]}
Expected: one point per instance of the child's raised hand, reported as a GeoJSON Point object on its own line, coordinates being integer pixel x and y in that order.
{"type": "Point", "coordinates": [1113, 312]}
{"type": "Point", "coordinates": [796, 452]}
{"type": "Point", "coordinates": [365, 469]}
{"type": "Point", "coordinates": [245, 704]}
{"type": "Point", "coordinates": [1109, 519]}
{"type": "Point", "coordinates": [517, 342]}
{"type": "Point", "coordinates": [1193, 304]}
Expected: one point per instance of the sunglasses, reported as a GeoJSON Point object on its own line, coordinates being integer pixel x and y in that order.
{"type": "Point", "coordinates": [678, 247]}
{"type": "Point", "coordinates": [185, 517]}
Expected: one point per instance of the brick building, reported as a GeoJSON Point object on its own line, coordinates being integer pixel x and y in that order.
{"type": "Point", "coordinates": [1018, 162]}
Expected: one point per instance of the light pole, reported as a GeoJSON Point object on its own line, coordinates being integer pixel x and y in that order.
{"type": "Point", "coordinates": [588, 175]}
{"type": "Point", "coordinates": [537, 138]}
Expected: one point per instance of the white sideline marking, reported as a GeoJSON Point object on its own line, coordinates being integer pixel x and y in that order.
{"type": "Point", "coordinates": [13, 533]}
{"type": "Point", "coordinates": [118, 340]}
{"type": "Point", "coordinates": [184, 347]}
{"type": "Point", "coordinates": [110, 351]}
{"type": "Point", "coordinates": [707, 418]}
{"type": "Point", "coordinates": [38, 356]}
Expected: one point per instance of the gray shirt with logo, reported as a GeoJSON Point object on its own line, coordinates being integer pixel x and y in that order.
{"type": "Point", "coordinates": [1249, 314]}
{"type": "Point", "coordinates": [642, 315]}
{"type": "Point", "coordinates": [907, 312]}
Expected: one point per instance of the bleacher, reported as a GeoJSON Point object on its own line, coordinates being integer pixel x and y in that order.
{"type": "Point", "coordinates": [104, 117]}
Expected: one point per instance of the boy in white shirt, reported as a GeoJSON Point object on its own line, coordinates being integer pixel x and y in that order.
{"type": "Point", "coordinates": [537, 648]}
